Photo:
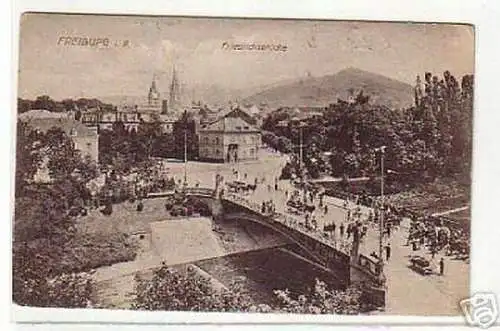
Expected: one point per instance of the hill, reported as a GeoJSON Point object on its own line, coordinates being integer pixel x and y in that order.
{"type": "Point", "coordinates": [321, 91]}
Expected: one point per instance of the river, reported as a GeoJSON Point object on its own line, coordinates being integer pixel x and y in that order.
{"type": "Point", "coordinates": [261, 272]}
{"type": "Point", "coordinates": [258, 259]}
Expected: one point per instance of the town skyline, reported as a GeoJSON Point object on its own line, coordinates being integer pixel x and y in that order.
{"type": "Point", "coordinates": [155, 45]}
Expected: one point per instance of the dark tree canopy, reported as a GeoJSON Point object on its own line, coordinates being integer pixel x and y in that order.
{"type": "Point", "coordinates": [432, 139]}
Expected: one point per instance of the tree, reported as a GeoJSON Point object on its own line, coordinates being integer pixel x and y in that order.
{"type": "Point", "coordinates": [44, 102]}
{"type": "Point", "coordinates": [170, 289]}
{"type": "Point", "coordinates": [34, 282]}
{"type": "Point", "coordinates": [78, 115]}
{"type": "Point", "coordinates": [60, 151]}
{"type": "Point", "coordinates": [321, 301]}
{"type": "Point", "coordinates": [28, 156]}
{"type": "Point", "coordinates": [147, 134]}
{"type": "Point", "coordinates": [185, 125]}
{"type": "Point", "coordinates": [24, 105]}
{"type": "Point", "coordinates": [33, 287]}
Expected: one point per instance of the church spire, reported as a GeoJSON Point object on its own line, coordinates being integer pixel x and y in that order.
{"type": "Point", "coordinates": [153, 95]}
{"type": "Point", "coordinates": [174, 90]}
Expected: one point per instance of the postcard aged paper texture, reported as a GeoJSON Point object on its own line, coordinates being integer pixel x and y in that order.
{"type": "Point", "coordinates": [243, 165]}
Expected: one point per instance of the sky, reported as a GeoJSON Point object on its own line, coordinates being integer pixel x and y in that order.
{"type": "Point", "coordinates": [194, 45]}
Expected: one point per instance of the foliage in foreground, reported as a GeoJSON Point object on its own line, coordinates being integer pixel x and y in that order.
{"type": "Point", "coordinates": [322, 300]}
{"type": "Point", "coordinates": [47, 249]}
{"type": "Point", "coordinates": [36, 283]}
{"type": "Point", "coordinates": [170, 289]}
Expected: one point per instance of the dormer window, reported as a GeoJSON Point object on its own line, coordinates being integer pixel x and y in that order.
{"type": "Point", "coordinates": [238, 128]}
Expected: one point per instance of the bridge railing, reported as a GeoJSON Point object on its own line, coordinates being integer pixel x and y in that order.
{"type": "Point", "coordinates": [292, 223]}
{"type": "Point", "coordinates": [289, 221]}
{"type": "Point", "coordinates": [200, 191]}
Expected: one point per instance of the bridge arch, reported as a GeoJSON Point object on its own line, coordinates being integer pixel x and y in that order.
{"type": "Point", "coordinates": [305, 252]}
{"type": "Point", "coordinates": [242, 216]}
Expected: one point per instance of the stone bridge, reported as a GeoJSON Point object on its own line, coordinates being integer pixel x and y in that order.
{"type": "Point", "coordinates": [341, 258]}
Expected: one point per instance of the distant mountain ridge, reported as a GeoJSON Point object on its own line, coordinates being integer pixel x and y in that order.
{"type": "Point", "coordinates": [306, 92]}
{"type": "Point", "coordinates": [321, 91]}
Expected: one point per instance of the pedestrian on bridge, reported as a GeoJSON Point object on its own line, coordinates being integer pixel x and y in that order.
{"type": "Point", "coordinates": [341, 228]}
{"type": "Point", "coordinates": [325, 209]}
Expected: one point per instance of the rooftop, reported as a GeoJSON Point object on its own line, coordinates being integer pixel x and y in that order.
{"type": "Point", "coordinates": [68, 125]}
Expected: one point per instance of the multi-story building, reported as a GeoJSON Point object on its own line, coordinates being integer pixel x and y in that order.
{"type": "Point", "coordinates": [105, 120]}
{"type": "Point", "coordinates": [232, 137]}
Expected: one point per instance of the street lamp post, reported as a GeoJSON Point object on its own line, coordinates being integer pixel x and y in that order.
{"type": "Point", "coordinates": [185, 157]}
{"type": "Point", "coordinates": [301, 157]}
{"type": "Point", "coordinates": [381, 218]}
{"type": "Point", "coordinates": [300, 148]}
{"type": "Point", "coordinates": [301, 163]}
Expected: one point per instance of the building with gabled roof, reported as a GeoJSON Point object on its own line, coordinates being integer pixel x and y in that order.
{"type": "Point", "coordinates": [85, 139]}
{"type": "Point", "coordinates": [232, 137]}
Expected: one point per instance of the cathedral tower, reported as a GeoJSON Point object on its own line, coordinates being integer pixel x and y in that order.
{"type": "Point", "coordinates": [153, 95]}
{"type": "Point", "coordinates": [174, 95]}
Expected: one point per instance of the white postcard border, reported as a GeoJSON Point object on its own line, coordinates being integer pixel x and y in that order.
{"type": "Point", "coordinates": [485, 230]}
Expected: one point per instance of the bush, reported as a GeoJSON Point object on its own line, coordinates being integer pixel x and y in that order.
{"type": "Point", "coordinates": [170, 289]}
{"type": "Point", "coordinates": [108, 209]}
{"type": "Point", "coordinates": [34, 282]}
{"type": "Point", "coordinates": [197, 205]}
{"type": "Point", "coordinates": [286, 172]}
{"type": "Point", "coordinates": [321, 301]}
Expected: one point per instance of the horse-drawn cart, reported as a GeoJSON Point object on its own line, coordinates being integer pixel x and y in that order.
{"type": "Point", "coordinates": [421, 265]}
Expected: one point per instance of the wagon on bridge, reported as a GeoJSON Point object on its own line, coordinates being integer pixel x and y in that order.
{"type": "Point", "coordinates": [296, 205]}
{"type": "Point", "coordinates": [238, 186]}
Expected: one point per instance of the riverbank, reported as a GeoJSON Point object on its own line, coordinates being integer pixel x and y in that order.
{"type": "Point", "coordinates": [177, 242]}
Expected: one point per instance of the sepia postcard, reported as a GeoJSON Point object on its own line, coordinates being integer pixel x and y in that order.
{"type": "Point", "coordinates": [244, 165]}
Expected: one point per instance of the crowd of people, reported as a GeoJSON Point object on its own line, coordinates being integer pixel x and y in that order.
{"type": "Point", "coordinates": [306, 209]}
{"type": "Point", "coordinates": [431, 233]}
